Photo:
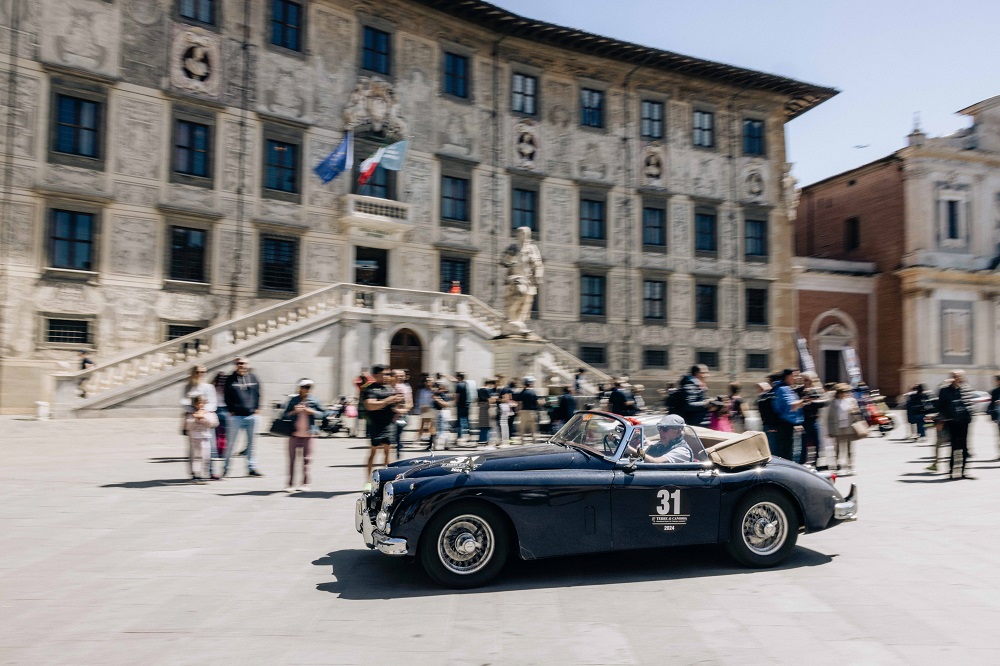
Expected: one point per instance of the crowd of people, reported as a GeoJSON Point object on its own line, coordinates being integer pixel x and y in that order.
{"type": "Point", "coordinates": [796, 411]}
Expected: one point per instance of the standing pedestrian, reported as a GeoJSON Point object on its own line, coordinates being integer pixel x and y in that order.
{"type": "Point", "coordinates": [842, 414]}
{"type": "Point", "coordinates": [813, 400]}
{"type": "Point", "coordinates": [719, 417]}
{"type": "Point", "coordinates": [221, 431]}
{"type": "Point", "coordinates": [425, 408]}
{"type": "Point", "coordinates": [917, 410]}
{"type": "Point", "coordinates": [242, 392]}
{"type": "Point", "coordinates": [461, 398]}
{"type": "Point", "coordinates": [620, 400]}
{"type": "Point", "coordinates": [196, 385]}
{"type": "Point", "coordinates": [486, 397]}
{"type": "Point", "coordinates": [691, 400]}
{"type": "Point", "coordinates": [442, 420]}
{"type": "Point", "coordinates": [737, 408]}
{"type": "Point", "coordinates": [302, 410]}
{"type": "Point", "coordinates": [404, 389]}
{"type": "Point", "coordinates": [380, 401]}
{"type": "Point", "coordinates": [789, 409]}
{"type": "Point", "coordinates": [199, 424]}
{"type": "Point", "coordinates": [955, 410]}
{"type": "Point", "coordinates": [505, 412]}
{"type": "Point", "coordinates": [765, 408]}
{"type": "Point", "coordinates": [994, 409]}
{"type": "Point", "coordinates": [578, 381]}
{"type": "Point", "coordinates": [527, 409]}
{"type": "Point", "coordinates": [509, 390]}
{"type": "Point", "coordinates": [565, 409]}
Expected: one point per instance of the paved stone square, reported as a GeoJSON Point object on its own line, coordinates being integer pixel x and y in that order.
{"type": "Point", "coordinates": [108, 555]}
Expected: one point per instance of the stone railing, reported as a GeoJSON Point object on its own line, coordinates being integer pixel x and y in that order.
{"type": "Point", "coordinates": [377, 209]}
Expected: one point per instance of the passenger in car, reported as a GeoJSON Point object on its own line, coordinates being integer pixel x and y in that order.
{"type": "Point", "coordinates": [672, 447]}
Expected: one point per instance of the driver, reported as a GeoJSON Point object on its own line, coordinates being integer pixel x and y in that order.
{"type": "Point", "coordinates": [672, 447]}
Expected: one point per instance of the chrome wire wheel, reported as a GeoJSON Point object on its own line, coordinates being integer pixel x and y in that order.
{"type": "Point", "coordinates": [466, 544]}
{"type": "Point", "coordinates": [765, 528]}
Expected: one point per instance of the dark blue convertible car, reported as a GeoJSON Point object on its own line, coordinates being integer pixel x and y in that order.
{"type": "Point", "coordinates": [596, 487]}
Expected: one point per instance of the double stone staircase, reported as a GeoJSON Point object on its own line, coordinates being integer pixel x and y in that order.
{"type": "Point", "coordinates": [103, 389]}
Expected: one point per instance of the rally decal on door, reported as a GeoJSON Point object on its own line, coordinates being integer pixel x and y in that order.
{"type": "Point", "coordinates": [670, 511]}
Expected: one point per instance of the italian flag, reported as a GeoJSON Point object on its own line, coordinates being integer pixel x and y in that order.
{"type": "Point", "coordinates": [369, 165]}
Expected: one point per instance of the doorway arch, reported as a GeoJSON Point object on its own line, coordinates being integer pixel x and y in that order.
{"type": "Point", "coordinates": [407, 353]}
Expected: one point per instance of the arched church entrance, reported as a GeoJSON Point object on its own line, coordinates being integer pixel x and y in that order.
{"type": "Point", "coordinates": [833, 332]}
{"type": "Point", "coordinates": [406, 353]}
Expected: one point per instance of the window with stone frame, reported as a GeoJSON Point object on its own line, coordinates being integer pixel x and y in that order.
{"type": "Point", "coordinates": [524, 209]}
{"type": "Point", "coordinates": [709, 358]}
{"type": "Point", "coordinates": [287, 24]}
{"type": "Point", "coordinates": [655, 358]}
{"type": "Point", "coordinates": [456, 75]}
{"type": "Point", "coordinates": [69, 331]}
{"type": "Point", "coordinates": [593, 295]}
{"type": "Point", "coordinates": [596, 355]}
{"type": "Point", "coordinates": [706, 232]}
{"type": "Point", "coordinates": [524, 94]}
{"type": "Point", "coordinates": [455, 198]}
{"type": "Point", "coordinates": [654, 226]}
{"type": "Point", "coordinates": [383, 182]}
{"type": "Point", "coordinates": [279, 264]}
{"type": "Point", "coordinates": [71, 239]}
{"type": "Point", "coordinates": [174, 331]}
{"type": "Point", "coordinates": [455, 270]}
{"type": "Point", "coordinates": [192, 148]}
{"type": "Point", "coordinates": [703, 127]}
{"type": "Point", "coordinates": [592, 220]}
{"type": "Point", "coordinates": [758, 361]}
{"type": "Point", "coordinates": [755, 238]}
{"type": "Point", "coordinates": [77, 126]}
{"type": "Point", "coordinates": [753, 137]}
{"type": "Point", "coordinates": [188, 254]}
{"type": "Point", "coordinates": [651, 125]}
{"type": "Point", "coordinates": [199, 11]}
{"type": "Point", "coordinates": [376, 51]}
{"type": "Point", "coordinates": [756, 306]}
{"type": "Point", "coordinates": [654, 300]}
{"type": "Point", "coordinates": [706, 303]}
{"type": "Point", "coordinates": [591, 107]}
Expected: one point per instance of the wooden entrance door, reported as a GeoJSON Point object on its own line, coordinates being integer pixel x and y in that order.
{"type": "Point", "coordinates": [406, 353]}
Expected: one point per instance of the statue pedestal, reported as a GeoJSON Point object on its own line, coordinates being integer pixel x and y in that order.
{"type": "Point", "coordinates": [517, 358]}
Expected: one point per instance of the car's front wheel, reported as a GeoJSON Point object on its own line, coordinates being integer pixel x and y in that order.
{"type": "Point", "coordinates": [764, 529]}
{"type": "Point", "coordinates": [465, 545]}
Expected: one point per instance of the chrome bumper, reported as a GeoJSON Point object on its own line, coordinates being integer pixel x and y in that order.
{"type": "Point", "coordinates": [374, 538]}
{"type": "Point", "coordinates": [848, 509]}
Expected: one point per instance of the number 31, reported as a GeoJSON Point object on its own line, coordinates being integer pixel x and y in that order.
{"type": "Point", "coordinates": [665, 497]}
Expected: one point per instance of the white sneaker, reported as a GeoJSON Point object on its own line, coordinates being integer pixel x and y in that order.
{"type": "Point", "coordinates": [304, 488]}
{"type": "Point", "coordinates": [290, 489]}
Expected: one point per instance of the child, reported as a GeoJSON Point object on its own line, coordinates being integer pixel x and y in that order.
{"type": "Point", "coordinates": [200, 425]}
{"type": "Point", "coordinates": [505, 409]}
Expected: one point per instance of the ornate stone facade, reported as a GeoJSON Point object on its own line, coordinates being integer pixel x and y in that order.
{"type": "Point", "coordinates": [151, 76]}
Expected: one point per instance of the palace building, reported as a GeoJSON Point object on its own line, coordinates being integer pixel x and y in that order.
{"type": "Point", "coordinates": [159, 202]}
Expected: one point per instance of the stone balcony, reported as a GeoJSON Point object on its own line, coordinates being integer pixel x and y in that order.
{"type": "Point", "coordinates": [372, 217]}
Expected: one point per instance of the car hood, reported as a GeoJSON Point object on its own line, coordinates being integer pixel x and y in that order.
{"type": "Point", "coordinates": [526, 458]}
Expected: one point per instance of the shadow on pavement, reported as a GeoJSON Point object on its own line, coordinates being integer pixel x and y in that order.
{"type": "Point", "coordinates": [169, 459]}
{"type": "Point", "coordinates": [366, 575]}
{"type": "Point", "coordinates": [936, 479]}
{"type": "Point", "coordinates": [152, 483]}
{"type": "Point", "coordinates": [362, 465]}
{"type": "Point", "coordinates": [312, 494]}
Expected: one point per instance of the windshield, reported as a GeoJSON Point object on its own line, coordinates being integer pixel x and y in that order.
{"type": "Point", "coordinates": [597, 432]}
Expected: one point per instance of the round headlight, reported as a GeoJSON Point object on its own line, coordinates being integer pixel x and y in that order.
{"type": "Point", "coordinates": [388, 495]}
{"type": "Point", "coordinates": [380, 521]}
{"type": "Point", "coordinates": [375, 479]}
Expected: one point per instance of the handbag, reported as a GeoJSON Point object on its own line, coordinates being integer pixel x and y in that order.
{"type": "Point", "coordinates": [282, 427]}
{"type": "Point", "coordinates": [861, 429]}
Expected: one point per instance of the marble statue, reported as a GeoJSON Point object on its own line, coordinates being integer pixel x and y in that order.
{"type": "Point", "coordinates": [524, 273]}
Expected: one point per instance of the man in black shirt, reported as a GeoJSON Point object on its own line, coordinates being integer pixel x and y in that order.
{"type": "Point", "coordinates": [565, 409]}
{"type": "Point", "coordinates": [379, 400]}
{"type": "Point", "coordinates": [242, 395]}
{"type": "Point", "coordinates": [486, 396]}
{"type": "Point", "coordinates": [621, 401]}
{"type": "Point", "coordinates": [462, 404]}
{"type": "Point", "coordinates": [527, 401]}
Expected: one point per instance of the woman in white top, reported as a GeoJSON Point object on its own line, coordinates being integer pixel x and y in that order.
{"type": "Point", "coordinates": [842, 413]}
{"type": "Point", "coordinates": [196, 385]}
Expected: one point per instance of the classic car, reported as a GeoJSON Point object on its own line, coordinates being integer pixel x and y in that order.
{"type": "Point", "coordinates": [591, 489]}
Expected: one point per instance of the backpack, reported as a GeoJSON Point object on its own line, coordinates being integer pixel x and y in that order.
{"type": "Point", "coordinates": [677, 402]}
{"type": "Point", "coordinates": [765, 407]}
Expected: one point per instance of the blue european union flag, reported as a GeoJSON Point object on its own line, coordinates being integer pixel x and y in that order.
{"type": "Point", "coordinates": [337, 162]}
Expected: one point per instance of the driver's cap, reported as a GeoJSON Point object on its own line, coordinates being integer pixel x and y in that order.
{"type": "Point", "coordinates": [670, 421]}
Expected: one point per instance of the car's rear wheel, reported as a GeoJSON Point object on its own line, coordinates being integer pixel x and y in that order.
{"type": "Point", "coordinates": [465, 545]}
{"type": "Point", "coordinates": [764, 529]}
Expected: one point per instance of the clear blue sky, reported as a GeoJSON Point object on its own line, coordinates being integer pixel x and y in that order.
{"type": "Point", "coordinates": [889, 59]}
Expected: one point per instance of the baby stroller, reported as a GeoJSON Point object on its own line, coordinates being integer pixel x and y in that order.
{"type": "Point", "coordinates": [877, 415]}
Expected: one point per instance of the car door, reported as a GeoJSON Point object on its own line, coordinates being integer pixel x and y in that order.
{"type": "Point", "coordinates": [664, 504]}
